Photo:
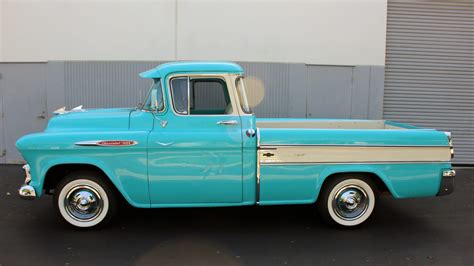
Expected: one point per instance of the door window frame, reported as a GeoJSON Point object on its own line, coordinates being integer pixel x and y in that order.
{"type": "Point", "coordinates": [224, 77]}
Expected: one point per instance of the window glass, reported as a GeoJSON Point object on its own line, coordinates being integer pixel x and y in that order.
{"type": "Point", "coordinates": [179, 91]}
{"type": "Point", "coordinates": [154, 99]}
{"type": "Point", "coordinates": [207, 96]}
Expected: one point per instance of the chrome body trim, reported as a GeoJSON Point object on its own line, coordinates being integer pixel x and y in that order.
{"type": "Point", "coordinates": [98, 143]}
{"type": "Point", "coordinates": [368, 162]}
{"type": "Point", "coordinates": [447, 182]}
{"type": "Point", "coordinates": [449, 173]}
{"type": "Point", "coordinates": [258, 137]}
{"type": "Point", "coordinates": [164, 144]}
{"type": "Point", "coordinates": [63, 110]}
{"type": "Point", "coordinates": [225, 77]}
{"type": "Point", "coordinates": [26, 191]}
{"type": "Point", "coordinates": [317, 154]}
{"type": "Point", "coordinates": [273, 146]}
{"type": "Point", "coordinates": [450, 142]}
{"type": "Point", "coordinates": [228, 122]}
{"type": "Point", "coordinates": [257, 189]}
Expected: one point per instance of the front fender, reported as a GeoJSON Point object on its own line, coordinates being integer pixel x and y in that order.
{"type": "Point", "coordinates": [119, 180]}
{"type": "Point", "coordinates": [126, 166]}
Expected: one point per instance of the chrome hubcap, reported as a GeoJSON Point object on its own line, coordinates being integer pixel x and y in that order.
{"type": "Point", "coordinates": [350, 202]}
{"type": "Point", "coordinates": [83, 203]}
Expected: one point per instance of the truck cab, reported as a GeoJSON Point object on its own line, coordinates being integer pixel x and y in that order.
{"type": "Point", "coordinates": [203, 124]}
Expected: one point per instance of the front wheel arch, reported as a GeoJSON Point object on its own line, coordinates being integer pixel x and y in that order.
{"type": "Point", "coordinates": [58, 172]}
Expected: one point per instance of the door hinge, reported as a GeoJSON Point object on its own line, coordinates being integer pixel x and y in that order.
{"type": "Point", "coordinates": [4, 152]}
{"type": "Point", "coordinates": [1, 75]}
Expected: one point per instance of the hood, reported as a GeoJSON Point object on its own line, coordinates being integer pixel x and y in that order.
{"type": "Point", "coordinates": [98, 119]}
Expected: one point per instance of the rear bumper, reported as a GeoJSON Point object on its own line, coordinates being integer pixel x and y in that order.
{"type": "Point", "coordinates": [447, 182]}
{"type": "Point", "coordinates": [26, 191]}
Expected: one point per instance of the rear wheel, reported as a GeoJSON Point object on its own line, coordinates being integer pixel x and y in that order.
{"type": "Point", "coordinates": [347, 200]}
{"type": "Point", "coordinates": [85, 200]}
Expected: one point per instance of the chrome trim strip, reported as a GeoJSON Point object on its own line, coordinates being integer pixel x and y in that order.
{"type": "Point", "coordinates": [389, 162]}
{"type": "Point", "coordinates": [258, 137]}
{"type": "Point", "coordinates": [165, 144]}
{"type": "Point", "coordinates": [190, 75]}
{"type": "Point", "coordinates": [342, 154]}
{"type": "Point", "coordinates": [27, 169]}
{"type": "Point", "coordinates": [257, 189]}
{"type": "Point", "coordinates": [274, 146]}
{"type": "Point", "coordinates": [228, 122]}
{"type": "Point", "coordinates": [449, 173]}
{"type": "Point", "coordinates": [88, 143]}
{"type": "Point", "coordinates": [97, 143]}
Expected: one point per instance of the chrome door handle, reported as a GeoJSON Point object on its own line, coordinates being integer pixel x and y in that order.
{"type": "Point", "coordinates": [228, 122]}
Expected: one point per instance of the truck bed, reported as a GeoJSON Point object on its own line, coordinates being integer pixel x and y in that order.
{"type": "Point", "coordinates": [296, 155]}
{"type": "Point", "coordinates": [348, 141]}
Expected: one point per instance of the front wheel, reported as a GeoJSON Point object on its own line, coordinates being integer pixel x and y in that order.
{"type": "Point", "coordinates": [85, 200]}
{"type": "Point", "coordinates": [347, 200]}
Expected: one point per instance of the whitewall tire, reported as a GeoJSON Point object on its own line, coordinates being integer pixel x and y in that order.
{"type": "Point", "coordinates": [85, 200]}
{"type": "Point", "coordinates": [347, 200]}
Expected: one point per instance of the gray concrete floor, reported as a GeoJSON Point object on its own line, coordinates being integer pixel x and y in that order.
{"type": "Point", "coordinates": [426, 231]}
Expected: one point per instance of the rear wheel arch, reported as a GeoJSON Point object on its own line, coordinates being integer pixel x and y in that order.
{"type": "Point", "coordinates": [376, 178]}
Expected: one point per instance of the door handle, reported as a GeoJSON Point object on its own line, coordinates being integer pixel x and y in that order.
{"type": "Point", "coordinates": [228, 122]}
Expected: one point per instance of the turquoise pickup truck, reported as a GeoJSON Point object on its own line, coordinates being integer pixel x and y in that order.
{"type": "Point", "coordinates": [194, 142]}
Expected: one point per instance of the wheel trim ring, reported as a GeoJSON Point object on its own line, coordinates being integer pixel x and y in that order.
{"type": "Point", "coordinates": [96, 186]}
{"type": "Point", "coordinates": [335, 201]}
{"type": "Point", "coordinates": [67, 204]}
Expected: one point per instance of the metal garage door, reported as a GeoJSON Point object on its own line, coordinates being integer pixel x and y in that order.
{"type": "Point", "coordinates": [23, 93]}
{"type": "Point", "coordinates": [429, 73]}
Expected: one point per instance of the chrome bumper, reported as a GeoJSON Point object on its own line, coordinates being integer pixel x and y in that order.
{"type": "Point", "coordinates": [447, 182]}
{"type": "Point", "coordinates": [26, 191]}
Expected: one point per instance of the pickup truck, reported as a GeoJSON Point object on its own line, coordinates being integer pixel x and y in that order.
{"type": "Point", "coordinates": [194, 142]}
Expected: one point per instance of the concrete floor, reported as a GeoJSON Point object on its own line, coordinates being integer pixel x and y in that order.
{"type": "Point", "coordinates": [426, 231]}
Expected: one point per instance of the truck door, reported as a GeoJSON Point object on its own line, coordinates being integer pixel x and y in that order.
{"type": "Point", "coordinates": [195, 149]}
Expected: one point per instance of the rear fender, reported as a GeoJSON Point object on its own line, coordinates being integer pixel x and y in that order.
{"type": "Point", "coordinates": [355, 168]}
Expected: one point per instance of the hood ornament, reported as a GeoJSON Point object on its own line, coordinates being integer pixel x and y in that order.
{"type": "Point", "coordinates": [62, 110]}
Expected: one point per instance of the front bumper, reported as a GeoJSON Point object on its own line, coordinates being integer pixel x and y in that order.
{"type": "Point", "coordinates": [447, 182]}
{"type": "Point", "coordinates": [26, 191]}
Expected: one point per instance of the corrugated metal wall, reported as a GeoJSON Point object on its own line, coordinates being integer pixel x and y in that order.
{"type": "Point", "coordinates": [105, 84]}
{"type": "Point", "coordinates": [275, 89]}
{"type": "Point", "coordinates": [429, 72]}
{"type": "Point", "coordinates": [117, 84]}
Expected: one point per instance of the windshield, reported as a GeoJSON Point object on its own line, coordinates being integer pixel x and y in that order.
{"type": "Point", "coordinates": [242, 95]}
{"type": "Point", "coordinates": [154, 99]}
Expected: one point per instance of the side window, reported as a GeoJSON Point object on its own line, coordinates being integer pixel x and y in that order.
{"type": "Point", "coordinates": [207, 96]}
{"type": "Point", "coordinates": [179, 92]}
